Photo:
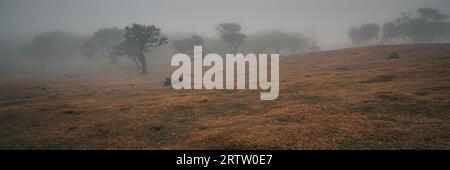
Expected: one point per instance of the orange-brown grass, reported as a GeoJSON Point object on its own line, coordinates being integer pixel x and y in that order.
{"type": "Point", "coordinates": [342, 99]}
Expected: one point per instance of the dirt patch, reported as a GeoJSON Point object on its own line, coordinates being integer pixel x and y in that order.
{"type": "Point", "coordinates": [391, 96]}
{"type": "Point", "coordinates": [423, 108]}
{"type": "Point", "coordinates": [102, 133]}
{"type": "Point", "coordinates": [364, 107]}
{"type": "Point", "coordinates": [312, 99]}
{"type": "Point", "coordinates": [422, 93]}
{"type": "Point", "coordinates": [343, 69]}
{"type": "Point", "coordinates": [72, 112]}
{"type": "Point", "coordinates": [379, 79]}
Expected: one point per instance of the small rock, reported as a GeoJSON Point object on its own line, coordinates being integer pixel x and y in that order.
{"type": "Point", "coordinates": [155, 128]}
{"type": "Point", "coordinates": [72, 128]}
{"type": "Point", "coordinates": [71, 112]}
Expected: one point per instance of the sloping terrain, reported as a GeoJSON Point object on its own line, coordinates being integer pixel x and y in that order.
{"type": "Point", "coordinates": [343, 99]}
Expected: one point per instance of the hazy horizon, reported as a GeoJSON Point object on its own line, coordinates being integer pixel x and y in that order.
{"type": "Point", "coordinates": [328, 20]}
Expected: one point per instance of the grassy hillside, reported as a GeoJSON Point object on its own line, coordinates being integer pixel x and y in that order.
{"type": "Point", "coordinates": [343, 99]}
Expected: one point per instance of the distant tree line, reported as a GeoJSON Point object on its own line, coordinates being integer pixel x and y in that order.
{"type": "Point", "coordinates": [137, 42]}
{"type": "Point", "coordinates": [425, 26]}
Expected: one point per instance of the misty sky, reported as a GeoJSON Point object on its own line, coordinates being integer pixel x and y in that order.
{"type": "Point", "coordinates": [328, 20]}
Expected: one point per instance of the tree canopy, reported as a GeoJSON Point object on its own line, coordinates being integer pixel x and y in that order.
{"type": "Point", "coordinates": [428, 25]}
{"type": "Point", "coordinates": [103, 42]}
{"type": "Point", "coordinates": [231, 34]}
{"type": "Point", "coordinates": [366, 32]}
{"type": "Point", "coordinates": [138, 39]}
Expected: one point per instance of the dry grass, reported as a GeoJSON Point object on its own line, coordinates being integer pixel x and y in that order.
{"type": "Point", "coordinates": [344, 99]}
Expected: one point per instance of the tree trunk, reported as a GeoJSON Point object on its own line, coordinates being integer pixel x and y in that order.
{"type": "Point", "coordinates": [138, 67]}
{"type": "Point", "coordinates": [143, 62]}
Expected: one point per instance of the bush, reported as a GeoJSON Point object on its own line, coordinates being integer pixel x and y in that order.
{"type": "Point", "coordinates": [394, 55]}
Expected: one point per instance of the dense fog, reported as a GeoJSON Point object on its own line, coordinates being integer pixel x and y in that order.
{"type": "Point", "coordinates": [89, 36]}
